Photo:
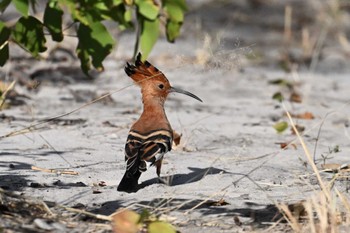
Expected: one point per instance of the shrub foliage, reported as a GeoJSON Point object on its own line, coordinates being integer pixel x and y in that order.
{"type": "Point", "coordinates": [94, 40]}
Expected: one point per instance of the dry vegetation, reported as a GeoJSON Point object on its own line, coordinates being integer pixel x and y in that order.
{"type": "Point", "coordinates": [306, 40]}
{"type": "Point", "coordinates": [325, 211]}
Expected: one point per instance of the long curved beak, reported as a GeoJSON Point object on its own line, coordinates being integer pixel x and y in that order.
{"type": "Point", "coordinates": [178, 90]}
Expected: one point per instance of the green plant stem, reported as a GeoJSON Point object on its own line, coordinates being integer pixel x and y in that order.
{"type": "Point", "coordinates": [138, 34]}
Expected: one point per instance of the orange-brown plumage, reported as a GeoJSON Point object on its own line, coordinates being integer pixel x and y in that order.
{"type": "Point", "coordinates": [151, 136]}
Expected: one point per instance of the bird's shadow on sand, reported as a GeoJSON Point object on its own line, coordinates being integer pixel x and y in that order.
{"type": "Point", "coordinates": [260, 215]}
{"type": "Point", "coordinates": [195, 175]}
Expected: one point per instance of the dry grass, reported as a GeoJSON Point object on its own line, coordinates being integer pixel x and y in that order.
{"type": "Point", "coordinates": [325, 211]}
{"type": "Point", "coordinates": [4, 90]}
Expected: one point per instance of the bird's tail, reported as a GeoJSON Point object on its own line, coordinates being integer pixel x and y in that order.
{"type": "Point", "coordinates": [129, 182]}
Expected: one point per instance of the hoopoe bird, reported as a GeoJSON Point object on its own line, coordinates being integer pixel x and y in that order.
{"type": "Point", "coordinates": [151, 136]}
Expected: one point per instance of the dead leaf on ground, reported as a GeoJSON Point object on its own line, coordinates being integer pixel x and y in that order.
{"type": "Point", "coordinates": [295, 97]}
{"type": "Point", "coordinates": [108, 124]}
{"type": "Point", "coordinates": [285, 145]}
{"type": "Point", "coordinates": [299, 128]}
{"type": "Point", "coordinates": [298, 209]}
{"type": "Point", "coordinates": [102, 184]}
{"type": "Point", "coordinates": [304, 116]}
{"type": "Point", "coordinates": [220, 202]}
{"type": "Point", "coordinates": [134, 111]}
{"type": "Point", "coordinates": [237, 221]}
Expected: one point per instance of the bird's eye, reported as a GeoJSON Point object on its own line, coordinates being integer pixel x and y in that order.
{"type": "Point", "coordinates": [161, 86]}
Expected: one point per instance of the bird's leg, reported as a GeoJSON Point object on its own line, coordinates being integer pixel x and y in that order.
{"type": "Point", "coordinates": [159, 166]}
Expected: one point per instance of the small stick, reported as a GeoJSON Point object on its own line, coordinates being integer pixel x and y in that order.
{"type": "Point", "coordinates": [97, 216]}
{"type": "Point", "coordinates": [54, 171]}
{"type": "Point", "coordinates": [34, 126]}
{"type": "Point", "coordinates": [9, 88]}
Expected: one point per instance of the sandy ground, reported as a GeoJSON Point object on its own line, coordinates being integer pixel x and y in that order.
{"type": "Point", "coordinates": [229, 149]}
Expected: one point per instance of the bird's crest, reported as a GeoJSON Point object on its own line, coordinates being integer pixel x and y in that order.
{"type": "Point", "coordinates": [143, 71]}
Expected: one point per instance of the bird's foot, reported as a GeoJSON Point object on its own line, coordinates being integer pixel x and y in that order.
{"type": "Point", "coordinates": [165, 180]}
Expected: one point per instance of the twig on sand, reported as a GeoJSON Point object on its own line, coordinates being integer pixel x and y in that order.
{"type": "Point", "coordinates": [66, 172]}
{"type": "Point", "coordinates": [34, 126]}
{"type": "Point", "coordinates": [97, 216]}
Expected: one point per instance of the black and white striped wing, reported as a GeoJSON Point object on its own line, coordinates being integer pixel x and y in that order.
{"type": "Point", "coordinates": [132, 148]}
{"type": "Point", "coordinates": [142, 148]}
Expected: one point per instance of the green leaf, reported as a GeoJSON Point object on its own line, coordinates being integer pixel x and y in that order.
{"type": "Point", "coordinates": [117, 2]}
{"type": "Point", "coordinates": [278, 96]}
{"type": "Point", "coordinates": [172, 30]}
{"type": "Point", "coordinates": [149, 35]}
{"type": "Point", "coordinates": [78, 13]}
{"type": "Point", "coordinates": [175, 15]}
{"type": "Point", "coordinates": [4, 4]}
{"type": "Point", "coordinates": [83, 55]}
{"type": "Point", "coordinates": [128, 20]}
{"type": "Point", "coordinates": [181, 3]}
{"type": "Point", "coordinates": [4, 46]}
{"type": "Point", "coordinates": [101, 6]}
{"type": "Point", "coordinates": [4, 33]}
{"type": "Point", "coordinates": [281, 82]}
{"type": "Point", "coordinates": [107, 10]}
{"type": "Point", "coordinates": [148, 9]}
{"type": "Point", "coordinates": [95, 43]}
{"type": "Point", "coordinates": [121, 15]}
{"type": "Point", "coordinates": [53, 20]}
{"type": "Point", "coordinates": [161, 227]}
{"type": "Point", "coordinates": [4, 54]}
{"type": "Point", "coordinates": [28, 32]}
{"type": "Point", "coordinates": [22, 6]}
{"type": "Point", "coordinates": [280, 126]}
{"type": "Point", "coordinates": [144, 216]}
{"type": "Point", "coordinates": [175, 12]}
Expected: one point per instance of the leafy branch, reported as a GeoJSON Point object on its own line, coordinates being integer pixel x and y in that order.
{"type": "Point", "coordinates": [95, 42]}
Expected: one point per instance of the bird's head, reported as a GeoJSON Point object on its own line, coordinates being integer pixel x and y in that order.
{"type": "Point", "coordinates": [152, 81]}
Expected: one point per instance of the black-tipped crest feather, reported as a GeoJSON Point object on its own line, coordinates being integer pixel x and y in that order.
{"type": "Point", "coordinates": [129, 69]}
{"type": "Point", "coordinates": [147, 64]}
{"type": "Point", "coordinates": [138, 61]}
